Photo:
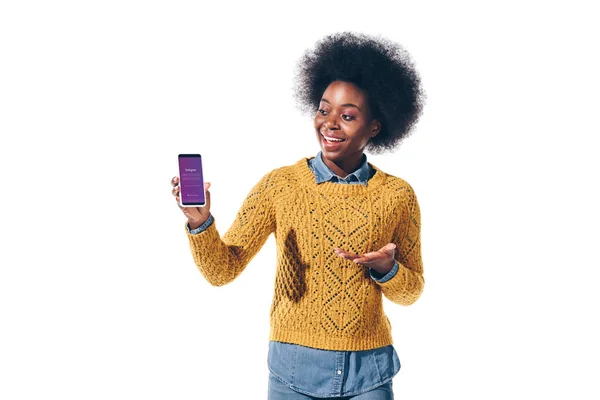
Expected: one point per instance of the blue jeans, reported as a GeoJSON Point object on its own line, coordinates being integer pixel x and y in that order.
{"type": "Point", "coordinates": [279, 391]}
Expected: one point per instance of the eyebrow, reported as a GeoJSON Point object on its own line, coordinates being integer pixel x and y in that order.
{"type": "Point", "coordinates": [344, 105]}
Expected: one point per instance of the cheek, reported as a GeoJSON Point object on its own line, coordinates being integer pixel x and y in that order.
{"type": "Point", "coordinates": [318, 121]}
{"type": "Point", "coordinates": [360, 136]}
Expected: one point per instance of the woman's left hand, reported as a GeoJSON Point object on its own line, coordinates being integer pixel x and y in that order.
{"type": "Point", "coordinates": [382, 260]}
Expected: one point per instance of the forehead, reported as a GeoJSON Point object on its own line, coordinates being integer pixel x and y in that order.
{"type": "Point", "coordinates": [340, 92]}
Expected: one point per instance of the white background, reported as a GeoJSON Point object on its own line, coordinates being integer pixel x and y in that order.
{"type": "Point", "coordinates": [99, 295]}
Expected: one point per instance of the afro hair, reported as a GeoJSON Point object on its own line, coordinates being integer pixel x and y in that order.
{"type": "Point", "coordinates": [381, 68]}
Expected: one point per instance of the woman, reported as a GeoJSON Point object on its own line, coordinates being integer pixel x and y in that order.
{"type": "Point", "coordinates": [346, 232]}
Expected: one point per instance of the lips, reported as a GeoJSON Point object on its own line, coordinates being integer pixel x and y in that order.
{"type": "Point", "coordinates": [333, 137]}
{"type": "Point", "coordinates": [331, 145]}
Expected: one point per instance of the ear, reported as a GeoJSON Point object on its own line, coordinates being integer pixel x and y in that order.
{"type": "Point", "coordinates": [375, 128]}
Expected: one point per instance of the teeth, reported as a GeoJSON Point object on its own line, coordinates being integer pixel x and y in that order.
{"type": "Point", "coordinates": [332, 139]}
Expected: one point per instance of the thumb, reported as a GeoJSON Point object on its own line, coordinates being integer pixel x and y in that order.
{"type": "Point", "coordinates": [206, 187]}
{"type": "Point", "coordinates": [389, 248]}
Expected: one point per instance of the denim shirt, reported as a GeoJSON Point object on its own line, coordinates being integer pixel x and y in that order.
{"type": "Point", "coordinates": [327, 373]}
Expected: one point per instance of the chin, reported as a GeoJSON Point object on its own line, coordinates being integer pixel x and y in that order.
{"type": "Point", "coordinates": [333, 156]}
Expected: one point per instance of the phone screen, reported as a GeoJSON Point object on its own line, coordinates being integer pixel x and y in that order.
{"type": "Point", "coordinates": [191, 180]}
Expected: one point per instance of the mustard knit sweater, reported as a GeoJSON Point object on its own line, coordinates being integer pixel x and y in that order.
{"type": "Point", "coordinates": [322, 300]}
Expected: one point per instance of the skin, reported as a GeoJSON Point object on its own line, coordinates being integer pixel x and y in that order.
{"type": "Point", "coordinates": [343, 112]}
{"type": "Point", "coordinates": [196, 215]}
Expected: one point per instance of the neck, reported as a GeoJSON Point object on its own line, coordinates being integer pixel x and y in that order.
{"type": "Point", "coordinates": [343, 168]}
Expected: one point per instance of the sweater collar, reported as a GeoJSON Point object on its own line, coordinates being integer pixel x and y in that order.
{"type": "Point", "coordinates": [307, 177]}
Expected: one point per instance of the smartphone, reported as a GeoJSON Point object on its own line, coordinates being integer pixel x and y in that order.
{"type": "Point", "coordinates": [191, 181]}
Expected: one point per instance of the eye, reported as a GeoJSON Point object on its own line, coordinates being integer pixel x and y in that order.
{"type": "Point", "coordinates": [347, 117]}
{"type": "Point", "coordinates": [322, 112]}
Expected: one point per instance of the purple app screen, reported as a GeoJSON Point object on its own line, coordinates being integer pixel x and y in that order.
{"type": "Point", "coordinates": [191, 182]}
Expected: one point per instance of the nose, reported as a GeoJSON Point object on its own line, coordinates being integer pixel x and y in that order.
{"type": "Point", "coordinates": [331, 123]}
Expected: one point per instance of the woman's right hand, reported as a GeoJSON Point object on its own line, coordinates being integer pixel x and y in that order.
{"type": "Point", "coordinates": [196, 215]}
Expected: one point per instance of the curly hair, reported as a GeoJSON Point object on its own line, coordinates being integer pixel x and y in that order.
{"type": "Point", "coordinates": [379, 67]}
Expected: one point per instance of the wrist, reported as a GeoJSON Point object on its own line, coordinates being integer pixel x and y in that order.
{"type": "Point", "coordinates": [195, 224]}
{"type": "Point", "coordinates": [386, 268]}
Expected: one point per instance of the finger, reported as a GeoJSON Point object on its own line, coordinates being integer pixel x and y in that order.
{"type": "Point", "coordinates": [187, 211]}
{"type": "Point", "coordinates": [375, 256]}
{"type": "Point", "coordinates": [382, 254]}
{"type": "Point", "coordinates": [367, 258]}
{"type": "Point", "coordinates": [175, 191]}
{"type": "Point", "coordinates": [175, 181]}
{"type": "Point", "coordinates": [206, 186]}
{"type": "Point", "coordinates": [345, 254]}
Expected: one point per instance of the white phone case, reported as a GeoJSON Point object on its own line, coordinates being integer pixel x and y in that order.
{"type": "Point", "coordinates": [181, 186]}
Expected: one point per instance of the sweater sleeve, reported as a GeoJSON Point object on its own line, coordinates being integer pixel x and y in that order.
{"type": "Point", "coordinates": [407, 285]}
{"type": "Point", "coordinates": [222, 259]}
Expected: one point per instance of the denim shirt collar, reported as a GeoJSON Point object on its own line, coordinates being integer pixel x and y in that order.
{"type": "Point", "coordinates": [324, 174]}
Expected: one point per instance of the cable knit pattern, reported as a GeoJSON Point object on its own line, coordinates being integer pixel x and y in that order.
{"type": "Point", "coordinates": [320, 299]}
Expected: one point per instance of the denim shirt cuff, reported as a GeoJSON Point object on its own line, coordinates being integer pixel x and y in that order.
{"type": "Point", "coordinates": [382, 279]}
{"type": "Point", "coordinates": [202, 227]}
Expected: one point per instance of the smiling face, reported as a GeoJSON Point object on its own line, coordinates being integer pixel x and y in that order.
{"type": "Point", "coordinates": [344, 126]}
